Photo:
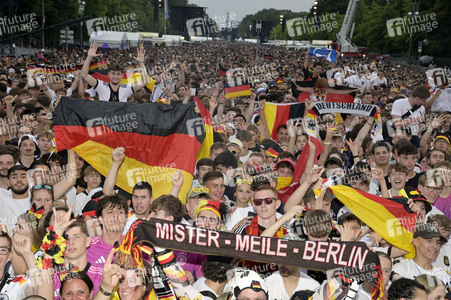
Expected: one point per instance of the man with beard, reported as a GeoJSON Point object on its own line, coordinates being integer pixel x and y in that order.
{"type": "Point", "coordinates": [7, 160]}
{"type": "Point", "coordinates": [285, 282]}
{"type": "Point", "coordinates": [16, 201]}
{"type": "Point", "coordinates": [114, 91]}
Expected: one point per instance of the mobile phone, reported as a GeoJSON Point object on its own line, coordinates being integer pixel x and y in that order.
{"type": "Point", "coordinates": [251, 214]}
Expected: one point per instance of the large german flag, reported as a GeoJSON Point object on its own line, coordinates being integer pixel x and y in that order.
{"type": "Point", "coordinates": [279, 114]}
{"type": "Point", "coordinates": [128, 78]}
{"type": "Point", "coordinates": [158, 139]}
{"type": "Point", "coordinates": [388, 217]}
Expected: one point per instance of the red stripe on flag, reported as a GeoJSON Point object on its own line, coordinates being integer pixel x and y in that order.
{"type": "Point", "coordinates": [282, 116]}
{"type": "Point", "coordinates": [135, 145]}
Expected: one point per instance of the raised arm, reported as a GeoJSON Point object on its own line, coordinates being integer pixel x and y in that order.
{"type": "Point", "coordinates": [140, 59]}
{"type": "Point", "coordinates": [60, 188]}
{"type": "Point", "coordinates": [295, 211]}
{"type": "Point", "coordinates": [110, 180]}
{"type": "Point", "coordinates": [296, 198]}
{"type": "Point", "coordinates": [92, 52]}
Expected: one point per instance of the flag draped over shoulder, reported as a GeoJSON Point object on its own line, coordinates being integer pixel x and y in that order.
{"type": "Point", "coordinates": [279, 114]}
{"type": "Point", "coordinates": [128, 78]}
{"type": "Point", "coordinates": [388, 217]}
{"type": "Point", "coordinates": [158, 139]}
{"type": "Point", "coordinates": [349, 258]}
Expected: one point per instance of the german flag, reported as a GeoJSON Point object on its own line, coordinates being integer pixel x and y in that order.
{"type": "Point", "coordinates": [128, 78]}
{"type": "Point", "coordinates": [158, 139]}
{"type": "Point", "coordinates": [238, 91]}
{"type": "Point", "coordinates": [388, 217]}
{"type": "Point", "coordinates": [279, 114]}
{"type": "Point", "coordinates": [204, 151]}
{"type": "Point", "coordinates": [331, 97]}
{"type": "Point", "coordinates": [65, 70]}
{"type": "Point", "coordinates": [222, 70]}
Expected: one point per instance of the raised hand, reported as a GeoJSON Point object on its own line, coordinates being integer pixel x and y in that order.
{"type": "Point", "coordinates": [21, 244]}
{"type": "Point", "coordinates": [177, 179]}
{"type": "Point", "coordinates": [353, 146]}
{"type": "Point", "coordinates": [92, 52]}
{"type": "Point", "coordinates": [118, 154]}
{"type": "Point", "coordinates": [9, 100]}
{"type": "Point", "coordinates": [61, 222]}
{"type": "Point", "coordinates": [111, 273]}
{"type": "Point", "coordinates": [315, 174]}
{"type": "Point", "coordinates": [141, 55]}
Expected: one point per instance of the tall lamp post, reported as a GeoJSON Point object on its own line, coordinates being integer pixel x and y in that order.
{"type": "Point", "coordinates": [81, 11]}
{"type": "Point", "coordinates": [414, 11]}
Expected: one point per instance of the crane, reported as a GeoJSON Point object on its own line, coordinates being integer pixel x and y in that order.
{"type": "Point", "coordinates": [344, 37]}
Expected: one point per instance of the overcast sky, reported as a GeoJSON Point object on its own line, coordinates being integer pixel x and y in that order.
{"type": "Point", "coordinates": [245, 7]}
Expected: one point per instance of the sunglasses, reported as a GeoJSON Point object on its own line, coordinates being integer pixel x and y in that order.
{"type": "Point", "coordinates": [268, 201]}
{"type": "Point", "coordinates": [241, 181]}
{"type": "Point", "coordinates": [37, 187]}
{"type": "Point", "coordinates": [197, 190]}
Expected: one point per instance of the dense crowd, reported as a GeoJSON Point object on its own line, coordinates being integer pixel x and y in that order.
{"type": "Point", "coordinates": [62, 220]}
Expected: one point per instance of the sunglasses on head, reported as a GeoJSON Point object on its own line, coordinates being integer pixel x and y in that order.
{"type": "Point", "coordinates": [267, 200]}
{"type": "Point", "coordinates": [241, 181]}
{"type": "Point", "coordinates": [40, 186]}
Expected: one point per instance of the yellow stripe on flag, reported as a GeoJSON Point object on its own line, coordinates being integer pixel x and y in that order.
{"type": "Point", "coordinates": [376, 216]}
{"type": "Point", "coordinates": [270, 114]}
{"type": "Point", "coordinates": [204, 151]}
{"type": "Point", "coordinates": [238, 94]}
{"type": "Point", "coordinates": [137, 77]}
{"type": "Point", "coordinates": [132, 171]}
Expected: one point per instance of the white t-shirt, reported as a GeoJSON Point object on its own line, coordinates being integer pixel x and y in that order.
{"type": "Point", "coordinates": [409, 269]}
{"type": "Point", "coordinates": [200, 286]}
{"type": "Point", "coordinates": [277, 289]}
{"type": "Point", "coordinates": [443, 259]}
{"type": "Point", "coordinates": [239, 214]}
{"type": "Point", "coordinates": [12, 208]}
{"type": "Point", "coordinates": [443, 102]}
{"type": "Point", "coordinates": [106, 93]}
{"type": "Point", "coordinates": [401, 106]}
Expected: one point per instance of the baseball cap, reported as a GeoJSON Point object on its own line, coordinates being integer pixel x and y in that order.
{"type": "Point", "coordinates": [237, 143]}
{"type": "Point", "coordinates": [261, 90]}
{"type": "Point", "coordinates": [90, 208]}
{"type": "Point", "coordinates": [428, 231]}
{"type": "Point", "coordinates": [246, 279]}
{"type": "Point", "coordinates": [288, 160]}
{"type": "Point", "coordinates": [197, 191]}
{"type": "Point", "coordinates": [333, 160]}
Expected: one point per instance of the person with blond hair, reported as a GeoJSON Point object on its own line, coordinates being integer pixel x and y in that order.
{"type": "Point", "coordinates": [434, 287]}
